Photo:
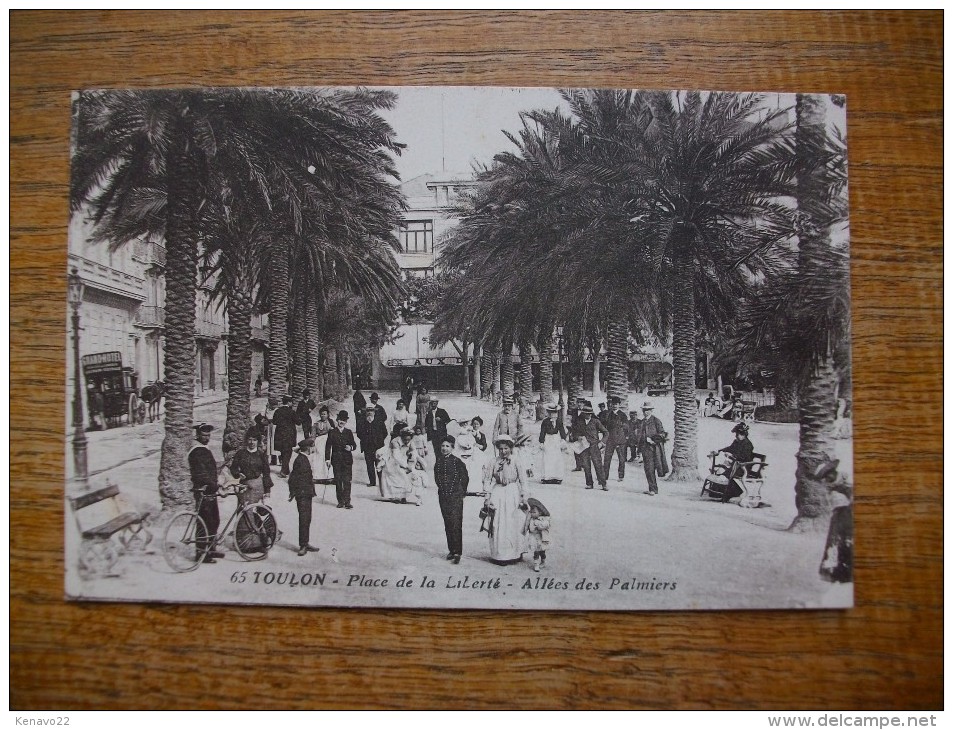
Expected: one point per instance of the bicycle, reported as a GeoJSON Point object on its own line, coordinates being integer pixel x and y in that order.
{"type": "Point", "coordinates": [186, 541]}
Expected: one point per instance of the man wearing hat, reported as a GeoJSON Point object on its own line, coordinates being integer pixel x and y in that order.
{"type": "Point", "coordinates": [508, 423]}
{"type": "Point", "coordinates": [301, 490]}
{"type": "Point", "coordinates": [372, 433]}
{"type": "Point", "coordinates": [591, 429]}
{"type": "Point", "coordinates": [303, 412]}
{"type": "Point", "coordinates": [379, 410]}
{"type": "Point", "coordinates": [204, 475]}
{"type": "Point", "coordinates": [251, 466]}
{"type": "Point", "coordinates": [435, 422]}
{"type": "Point", "coordinates": [617, 424]}
{"type": "Point", "coordinates": [338, 454]}
{"type": "Point", "coordinates": [652, 437]}
{"type": "Point", "coordinates": [285, 421]}
{"type": "Point", "coordinates": [452, 478]}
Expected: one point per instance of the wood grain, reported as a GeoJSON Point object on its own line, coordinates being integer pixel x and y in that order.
{"type": "Point", "coordinates": [886, 653]}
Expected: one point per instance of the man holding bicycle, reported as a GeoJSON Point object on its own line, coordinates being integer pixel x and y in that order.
{"type": "Point", "coordinates": [204, 474]}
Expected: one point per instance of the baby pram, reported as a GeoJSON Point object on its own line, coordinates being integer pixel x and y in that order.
{"type": "Point", "coordinates": [729, 479]}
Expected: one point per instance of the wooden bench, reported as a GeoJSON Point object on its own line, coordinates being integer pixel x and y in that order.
{"type": "Point", "coordinates": [100, 515]}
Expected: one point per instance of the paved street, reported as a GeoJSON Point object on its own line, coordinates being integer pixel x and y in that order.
{"type": "Point", "coordinates": [631, 545]}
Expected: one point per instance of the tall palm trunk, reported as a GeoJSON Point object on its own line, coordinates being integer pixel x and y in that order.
{"type": "Point", "coordinates": [238, 411]}
{"type": "Point", "coordinates": [278, 324]}
{"type": "Point", "coordinates": [477, 370]}
{"type": "Point", "coordinates": [526, 371]}
{"type": "Point", "coordinates": [817, 404]}
{"type": "Point", "coordinates": [506, 368]}
{"type": "Point", "coordinates": [341, 391]}
{"type": "Point", "coordinates": [181, 275]}
{"type": "Point", "coordinates": [466, 366]}
{"type": "Point", "coordinates": [618, 361]}
{"type": "Point", "coordinates": [546, 369]}
{"type": "Point", "coordinates": [786, 392]}
{"type": "Point", "coordinates": [595, 348]}
{"type": "Point", "coordinates": [299, 348]}
{"type": "Point", "coordinates": [486, 372]}
{"type": "Point", "coordinates": [685, 450]}
{"type": "Point", "coordinates": [497, 368]}
{"type": "Point", "coordinates": [348, 374]}
{"type": "Point", "coordinates": [313, 348]}
{"type": "Point", "coordinates": [573, 370]}
{"type": "Point", "coordinates": [330, 373]}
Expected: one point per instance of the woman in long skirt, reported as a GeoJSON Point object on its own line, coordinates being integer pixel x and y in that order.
{"type": "Point", "coordinates": [552, 435]}
{"type": "Point", "coordinates": [322, 428]}
{"type": "Point", "coordinates": [506, 485]}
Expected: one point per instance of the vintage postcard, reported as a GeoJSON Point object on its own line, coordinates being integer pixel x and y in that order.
{"type": "Point", "coordinates": [459, 347]}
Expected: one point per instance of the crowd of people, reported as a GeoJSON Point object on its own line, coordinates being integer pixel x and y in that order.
{"type": "Point", "coordinates": [409, 451]}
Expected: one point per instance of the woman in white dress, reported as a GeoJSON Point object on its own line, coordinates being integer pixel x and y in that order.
{"type": "Point", "coordinates": [402, 479]}
{"type": "Point", "coordinates": [466, 450]}
{"type": "Point", "coordinates": [322, 428]}
{"type": "Point", "coordinates": [506, 484]}
{"type": "Point", "coordinates": [552, 435]}
{"type": "Point", "coordinates": [401, 415]}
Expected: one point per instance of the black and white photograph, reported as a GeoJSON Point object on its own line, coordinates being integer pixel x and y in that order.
{"type": "Point", "coordinates": [459, 347]}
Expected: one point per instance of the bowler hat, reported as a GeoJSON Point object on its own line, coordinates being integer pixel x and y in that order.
{"type": "Point", "coordinates": [552, 407]}
{"type": "Point", "coordinates": [203, 428]}
{"type": "Point", "coordinates": [343, 416]}
{"type": "Point", "coordinates": [286, 399]}
{"type": "Point", "coordinates": [375, 397]}
{"type": "Point", "coordinates": [587, 408]}
{"type": "Point", "coordinates": [305, 443]}
{"type": "Point", "coordinates": [647, 406]}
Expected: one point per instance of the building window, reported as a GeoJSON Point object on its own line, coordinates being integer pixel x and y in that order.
{"type": "Point", "coordinates": [416, 236]}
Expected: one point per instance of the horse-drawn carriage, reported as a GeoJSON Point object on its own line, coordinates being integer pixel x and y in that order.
{"type": "Point", "coordinates": [112, 391]}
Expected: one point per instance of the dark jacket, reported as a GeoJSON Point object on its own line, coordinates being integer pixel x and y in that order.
{"type": "Point", "coordinates": [451, 476]}
{"type": "Point", "coordinates": [334, 450]}
{"type": "Point", "coordinates": [252, 464]}
{"type": "Point", "coordinates": [617, 424]}
{"type": "Point", "coordinates": [548, 428]}
{"type": "Point", "coordinates": [436, 424]}
{"type": "Point", "coordinates": [301, 480]}
{"type": "Point", "coordinates": [591, 430]}
{"type": "Point", "coordinates": [303, 411]}
{"type": "Point", "coordinates": [360, 403]}
{"type": "Point", "coordinates": [203, 470]}
{"type": "Point", "coordinates": [372, 435]}
{"type": "Point", "coordinates": [651, 428]}
{"type": "Point", "coordinates": [742, 450]}
{"type": "Point", "coordinates": [286, 432]}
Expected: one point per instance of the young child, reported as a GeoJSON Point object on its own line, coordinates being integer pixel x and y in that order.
{"type": "Point", "coordinates": [536, 530]}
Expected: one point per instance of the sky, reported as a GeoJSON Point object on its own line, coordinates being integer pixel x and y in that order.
{"type": "Point", "coordinates": [447, 128]}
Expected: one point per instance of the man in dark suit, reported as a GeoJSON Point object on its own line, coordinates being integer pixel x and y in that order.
{"type": "Point", "coordinates": [301, 490]}
{"type": "Point", "coordinates": [204, 474]}
{"type": "Point", "coordinates": [381, 413]}
{"type": "Point", "coordinates": [616, 423]}
{"type": "Point", "coordinates": [575, 413]}
{"type": "Point", "coordinates": [436, 422]}
{"type": "Point", "coordinates": [372, 434]}
{"type": "Point", "coordinates": [338, 453]}
{"type": "Point", "coordinates": [285, 421]}
{"type": "Point", "coordinates": [450, 474]}
{"type": "Point", "coordinates": [591, 428]}
{"type": "Point", "coordinates": [651, 445]}
{"type": "Point", "coordinates": [303, 412]}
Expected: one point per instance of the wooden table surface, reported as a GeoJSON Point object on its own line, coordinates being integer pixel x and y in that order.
{"type": "Point", "coordinates": [885, 653]}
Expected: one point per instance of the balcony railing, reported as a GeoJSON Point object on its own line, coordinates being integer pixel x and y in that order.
{"type": "Point", "coordinates": [150, 316]}
{"type": "Point", "coordinates": [150, 253]}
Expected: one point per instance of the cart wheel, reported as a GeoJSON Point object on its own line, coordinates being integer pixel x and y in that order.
{"type": "Point", "coordinates": [185, 542]}
{"type": "Point", "coordinates": [255, 532]}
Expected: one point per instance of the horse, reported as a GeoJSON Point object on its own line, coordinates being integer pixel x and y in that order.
{"type": "Point", "coordinates": [152, 395]}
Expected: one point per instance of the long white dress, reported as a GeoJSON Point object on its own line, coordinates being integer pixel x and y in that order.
{"type": "Point", "coordinates": [505, 482]}
{"type": "Point", "coordinates": [554, 465]}
{"type": "Point", "coordinates": [400, 479]}
{"type": "Point", "coordinates": [318, 466]}
{"type": "Point", "coordinates": [466, 450]}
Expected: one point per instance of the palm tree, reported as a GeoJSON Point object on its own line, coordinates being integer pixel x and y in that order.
{"type": "Point", "coordinates": [705, 178]}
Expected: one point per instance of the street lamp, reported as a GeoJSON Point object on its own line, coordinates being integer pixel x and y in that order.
{"type": "Point", "coordinates": [75, 298]}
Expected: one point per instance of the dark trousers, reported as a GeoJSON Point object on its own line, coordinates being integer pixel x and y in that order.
{"type": "Point", "coordinates": [306, 429]}
{"type": "Point", "coordinates": [592, 461]}
{"type": "Point", "coordinates": [304, 520]}
{"type": "Point", "coordinates": [286, 462]}
{"type": "Point", "coordinates": [452, 510]}
{"type": "Point", "coordinates": [207, 507]}
{"type": "Point", "coordinates": [619, 449]}
{"type": "Point", "coordinates": [648, 463]}
{"type": "Point", "coordinates": [370, 459]}
{"type": "Point", "coordinates": [342, 482]}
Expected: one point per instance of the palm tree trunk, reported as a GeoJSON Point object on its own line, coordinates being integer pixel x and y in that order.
{"type": "Point", "coordinates": [486, 372]}
{"type": "Point", "coordinates": [330, 374]}
{"type": "Point", "coordinates": [786, 393]}
{"type": "Point", "coordinates": [341, 391]}
{"type": "Point", "coordinates": [299, 348]}
{"type": "Point", "coordinates": [477, 371]}
{"type": "Point", "coordinates": [596, 350]}
{"type": "Point", "coordinates": [278, 324]}
{"type": "Point", "coordinates": [238, 410]}
{"type": "Point", "coordinates": [506, 368]}
{"type": "Point", "coordinates": [181, 274]}
{"type": "Point", "coordinates": [466, 367]}
{"type": "Point", "coordinates": [546, 370]}
{"type": "Point", "coordinates": [312, 348]}
{"type": "Point", "coordinates": [348, 375]}
{"type": "Point", "coordinates": [526, 371]}
{"type": "Point", "coordinates": [818, 398]}
{"type": "Point", "coordinates": [685, 451]}
{"type": "Point", "coordinates": [618, 362]}
{"type": "Point", "coordinates": [574, 363]}
{"type": "Point", "coordinates": [497, 367]}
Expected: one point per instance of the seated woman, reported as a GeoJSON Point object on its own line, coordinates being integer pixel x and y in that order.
{"type": "Point", "coordinates": [401, 480]}
{"type": "Point", "coordinates": [739, 451]}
